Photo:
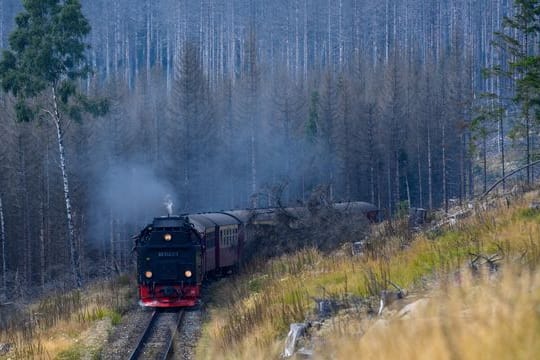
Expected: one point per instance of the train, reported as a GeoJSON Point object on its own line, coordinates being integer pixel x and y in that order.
{"type": "Point", "coordinates": [176, 253]}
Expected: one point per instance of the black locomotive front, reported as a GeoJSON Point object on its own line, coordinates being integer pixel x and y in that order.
{"type": "Point", "coordinates": [169, 263]}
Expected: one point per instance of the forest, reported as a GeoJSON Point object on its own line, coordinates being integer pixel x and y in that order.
{"type": "Point", "coordinates": [229, 104]}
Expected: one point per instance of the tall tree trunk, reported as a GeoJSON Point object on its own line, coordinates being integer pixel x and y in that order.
{"type": "Point", "coordinates": [444, 168]}
{"type": "Point", "coordinates": [254, 197]}
{"type": "Point", "coordinates": [27, 248]}
{"type": "Point", "coordinates": [305, 66]}
{"type": "Point", "coordinates": [148, 38]}
{"type": "Point", "coordinates": [462, 174]}
{"type": "Point", "coordinates": [430, 170]}
{"type": "Point", "coordinates": [419, 163]}
{"type": "Point", "coordinates": [484, 161]}
{"type": "Point", "coordinates": [2, 12]}
{"type": "Point", "coordinates": [3, 239]}
{"type": "Point", "coordinates": [408, 190]}
{"type": "Point", "coordinates": [42, 265]}
{"type": "Point", "coordinates": [111, 238]}
{"type": "Point", "coordinates": [371, 147]}
{"type": "Point", "coordinates": [528, 137]}
{"type": "Point", "coordinates": [73, 251]}
{"type": "Point", "coordinates": [389, 183]}
{"type": "Point", "coordinates": [501, 137]}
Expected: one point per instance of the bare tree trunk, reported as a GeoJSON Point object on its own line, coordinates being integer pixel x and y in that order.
{"type": "Point", "coordinates": [371, 147]}
{"type": "Point", "coordinates": [2, 24]}
{"type": "Point", "coordinates": [389, 183]}
{"type": "Point", "coordinates": [419, 163]}
{"type": "Point", "coordinates": [340, 35]}
{"type": "Point", "coordinates": [254, 199]}
{"type": "Point", "coordinates": [27, 268]}
{"type": "Point", "coordinates": [111, 237]}
{"type": "Point", "coordinates": [73, 251]}
{"type": "Point", "coordinates": [408, 189]}
{"type": "Point", "coordinates": [462, 177]}
{"type": "Point", "coordinates": [148, 38]}
{"type": "Point", "coordinates": [527, 117]}
{"type": "Point", "coordinates": [444, 165]}
{"type": "Point", "coordinates": [42, 269]}
{"type": "Point", "coordinates": [528, 136]}
{"type": "Point", "coordinates": [305, 42]}
{"type": "Point", "coordinates": [329, 30]}
{"type": "Point", "coordinates": [484, 161]}
{"type": "Point", "coordinates": [3, 239]}
{"type": "Point", "coordinates": [501, 137]}
{"type": "Point", "coordinates": [430, 170]}
{"type": "Point", "coordinates": [398, 179]}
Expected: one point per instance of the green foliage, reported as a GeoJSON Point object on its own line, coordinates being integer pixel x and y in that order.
{"type": "Point", "coordinates": [99, 313]}
{"type": "Point", "coordinates": [47, 53]}
{"type": "Point", "coordinates": [257, 283]}
{"type": "Point", "coordinates": [76, 352]}
{"type": "Point", "coordinates": [523, 66]}
{"type": "Point", "coordinates": [403, 209]}
{"type": "Point", "coordinates": [528, 214]}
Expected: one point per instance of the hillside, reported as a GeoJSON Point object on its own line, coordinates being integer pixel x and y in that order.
{"type": "Point", "coordinates": [470, 289]}
{"type": "Point", "coordinates": [467, 290]}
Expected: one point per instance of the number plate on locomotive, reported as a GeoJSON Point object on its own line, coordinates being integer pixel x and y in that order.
{"type": "Point", "coordinates": [168, 253]}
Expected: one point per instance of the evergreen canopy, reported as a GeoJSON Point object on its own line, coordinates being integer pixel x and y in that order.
{"type": "Point", "coordinates": [47, 51]}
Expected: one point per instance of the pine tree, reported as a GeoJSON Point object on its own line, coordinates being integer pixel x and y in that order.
{"type": "Point", "coordinates": [517, 39]}
{"type": "Point", "coordinates": [191, 120]}
{"type": "Point", "coordinates": [45, 59]}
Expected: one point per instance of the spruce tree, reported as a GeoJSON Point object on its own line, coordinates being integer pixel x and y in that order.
{"type": "Point", "coordinates": [518, 40]}
{"type": "Point", "coordinates": [45, 59]}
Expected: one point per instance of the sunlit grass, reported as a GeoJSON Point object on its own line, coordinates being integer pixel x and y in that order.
{"type": "Point", "coordinates": [480, 319]}
{"type": "Point", "coordinates": [66, 325]}
{"type": "Point", "coordinates": [252, 313]}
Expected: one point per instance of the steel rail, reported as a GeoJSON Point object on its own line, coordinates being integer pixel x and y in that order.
{"type": "Point", "coordinates": [144, 337]}
{"type": "Point", "coordinates": [169, 346]}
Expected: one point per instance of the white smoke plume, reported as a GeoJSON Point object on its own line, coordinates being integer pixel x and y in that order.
{"type": "Point", "coordinates": [168, 204]}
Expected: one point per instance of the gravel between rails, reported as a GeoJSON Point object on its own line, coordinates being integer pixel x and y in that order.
{"type": "Point", "coordinates": [124, 336]}
{"type": "Point", "coordinates": [188, 335]}
{"type": "Point", "coordinates": [156, 345]}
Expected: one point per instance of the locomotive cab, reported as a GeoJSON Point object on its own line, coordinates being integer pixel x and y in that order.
{"type": "Point", "coordinates": [169, 263]}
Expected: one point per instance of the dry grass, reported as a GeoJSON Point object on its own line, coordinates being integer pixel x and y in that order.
{"type": "Point", "coordinates": [252, 313]}
{"type": "Point", "coordinates": [487, 319]}
{"type": "Point", "coordinates": [61, 326]}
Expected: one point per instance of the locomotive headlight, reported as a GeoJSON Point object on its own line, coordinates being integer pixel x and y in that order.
{"type": "Point", "coordinates": [167, 237]}
{"type": "Point", "coordinates": [148, 274]}
{"type": "Point", "coordinates": [188, 273]}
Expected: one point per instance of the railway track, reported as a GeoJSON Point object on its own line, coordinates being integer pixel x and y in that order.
{"type": "Point", "coordinates": [156, 342]}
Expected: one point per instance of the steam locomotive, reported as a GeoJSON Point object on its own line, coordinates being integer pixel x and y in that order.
{"type": "Point", "coordinates": [176, 253]}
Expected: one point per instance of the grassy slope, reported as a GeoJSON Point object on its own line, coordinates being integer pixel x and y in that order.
{"type": "Point", "coordinates": [251, 314]}
{"type": "Point", "coordinates": [72, 325]}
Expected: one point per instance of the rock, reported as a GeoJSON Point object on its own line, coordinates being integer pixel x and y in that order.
{"type": "Point", "coordinates": [413, 309]}
{"type": "Point", "coordinates": [5, 348]}
{"type": "Point", "coordinates": [296, 331]}
{"type": "Point", "coordinates": [535, 205]}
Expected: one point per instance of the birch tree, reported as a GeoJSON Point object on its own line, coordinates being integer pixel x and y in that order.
{"type": "Point", "coordinates": [45, 59]}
